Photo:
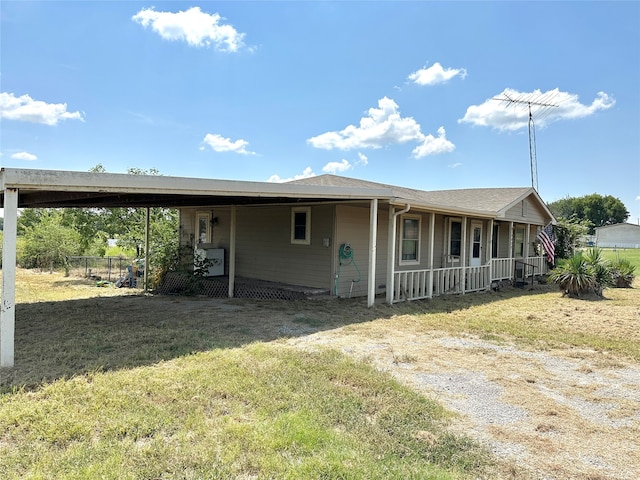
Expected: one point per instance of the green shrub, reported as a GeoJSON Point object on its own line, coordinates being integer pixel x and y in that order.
{"type": "Point", "coordinates": [623, 272]}
{"type": "Point", "coordinates": [590, 272]}
{"type": "Point", "coordinates": [575, 276]}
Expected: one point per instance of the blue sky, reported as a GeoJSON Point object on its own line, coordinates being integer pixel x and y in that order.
{"type": "Point", "coordinates": [395, 92]}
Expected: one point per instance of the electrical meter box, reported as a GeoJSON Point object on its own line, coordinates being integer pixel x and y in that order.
{"type": "Point", "coordinates": [214, 257]}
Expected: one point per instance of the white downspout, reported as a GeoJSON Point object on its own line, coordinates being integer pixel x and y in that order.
{"type": "Point", "coordinates": [391, 254]}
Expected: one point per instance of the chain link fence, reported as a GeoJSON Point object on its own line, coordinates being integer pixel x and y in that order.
{"type": "Point", "coordinates": [110, 269]}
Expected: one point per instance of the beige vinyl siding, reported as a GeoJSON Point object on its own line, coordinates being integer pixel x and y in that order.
{"type": "Point", "coordinates": [352, 226]}
{"type": "Point", "coordinates": [264, 249]}
{"type": "Point", "coordinates": [503, 241]}
{"type": "Point", "coordinates": [533, 213]}
{"type": "Point", "coordinates": [440, 242]}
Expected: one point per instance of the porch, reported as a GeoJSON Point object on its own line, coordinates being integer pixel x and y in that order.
{"type": "Point", "coordinates": [428, 283]}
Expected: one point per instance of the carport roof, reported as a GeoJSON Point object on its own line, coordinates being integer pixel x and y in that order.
{"type": "Point", "coordinates": [55, 188]}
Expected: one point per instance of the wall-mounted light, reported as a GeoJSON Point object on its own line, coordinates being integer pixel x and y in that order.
{"type": "Point", "coordinates": [326, 242]}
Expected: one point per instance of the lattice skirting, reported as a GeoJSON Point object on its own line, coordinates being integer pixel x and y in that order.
{"type": "Point", "coordinates": [176, 283]}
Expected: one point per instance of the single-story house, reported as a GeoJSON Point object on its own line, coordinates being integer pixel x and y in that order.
{"type": "Point", "coordinates": [350, 237]}
{"type": "Point", "coordinates": [407, 244]}
{"type": "Point", "coordinates": [619, 235]}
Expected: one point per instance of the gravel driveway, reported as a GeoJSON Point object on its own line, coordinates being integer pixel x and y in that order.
{"type": "Point", "coordinates": [557, 414]}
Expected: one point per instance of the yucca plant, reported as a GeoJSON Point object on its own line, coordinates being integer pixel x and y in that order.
{"type": "Point", "coordinates": [601, 269]}
{"type": "Point", "coordinates": [623, 272]}
{"type": "Point", "coordinates": [575, 276]}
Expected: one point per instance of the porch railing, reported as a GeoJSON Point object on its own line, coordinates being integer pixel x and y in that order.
{"type": "Point", "coordinates": [502, 268]}
{"type": "Point", "coordinates": [426, 283]}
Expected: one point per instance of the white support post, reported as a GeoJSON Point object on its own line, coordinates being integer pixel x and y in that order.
{"type": "Point", "coordinates": [373, 240]}
{"type": "Point", "coordinates": [232, 252]}
{"type": "Point", "coordinates": [489, 250]}
{"type": "Point", "coordinates": [463, 256]}
{"type": "Point", "coordinates": [527, 234]}
{"type": "Point", "coordinates": [432, 224]}
{"type": "Point", "coordinates": [391, 254]}
{"type": "Point", "coordinates": [146, 249]}
{"type": "Point", "coordinates": [8, 310]}
{"type": "Point", "coordinates": [511, 240]}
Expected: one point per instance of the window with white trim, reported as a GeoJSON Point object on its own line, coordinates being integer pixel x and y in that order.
{"type": "Point", "coordinates": [410, 240]}
{"type": "Point", "coordinates": [203, 227]}
{"type": "Point", "coordinates": [455, 238]}
{"type": "Point", "coordinates": [301, 225]}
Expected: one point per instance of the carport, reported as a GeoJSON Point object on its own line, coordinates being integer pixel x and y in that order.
{"type": "Point", "coordinates": [27, 188]}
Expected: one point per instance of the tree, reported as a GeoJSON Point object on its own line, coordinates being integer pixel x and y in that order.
{"type": "Point", "coordinates": [48, 242]}
{"type": "Point", "coordinates": [599, 210]}
{"type": "Point", "coordinates": [569, 234]}
{"type": "Point", "coordinates": [82, 230]}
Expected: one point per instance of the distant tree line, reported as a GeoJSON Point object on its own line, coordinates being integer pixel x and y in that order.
{"type": "Point", "coordinates": [580, 216]}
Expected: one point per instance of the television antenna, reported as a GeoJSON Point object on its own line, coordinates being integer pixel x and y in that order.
{"type": "Point", "coordinates": [544, 109]}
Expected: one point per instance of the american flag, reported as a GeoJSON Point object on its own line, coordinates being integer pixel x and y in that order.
{"type": "Point", "coordinates": [546, 237]}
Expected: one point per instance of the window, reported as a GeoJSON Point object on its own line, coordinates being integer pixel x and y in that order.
{"type": "Point", "coordinates": [410, 242]}
{"type": "Point", "coordinates": [203, 227]}
{"type": "Point", "coordinates": [301, 225]}
{"type": "Point", "coordinates": [494, 240]}
{"type": "Point", "coordinates": [455, 238]}
{"type": "Point", "coordinates": [519, 242]}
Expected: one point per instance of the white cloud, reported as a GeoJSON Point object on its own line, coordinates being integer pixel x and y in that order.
{"type": "Point", "coordinates": [433, 146]}
{"type": "Point", "coordinates": [436, 74]}
{"type": "Point", "coordinates": [336, 167]}
{"type": "Point", "coordinates": [26, 109]}
{"type": "Point", "coordinates": [362, 159]}
{"type": "Point", "coordinates": [24, 156]}
{"type": "Point", "coordinates": [197, 28]}
{"type": "Point", "coordinates": [503, 116]}
{"type": "Point", "coordinates": [382, 126]}
{"type": "Point", "coordinates": [307, 173]}
{"type": "Point", "coordinates": [220, 144]}
{"type": "Point", "coordinates": [455, 165]}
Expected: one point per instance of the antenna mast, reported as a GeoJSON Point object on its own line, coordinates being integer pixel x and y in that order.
{"type": "Point", "coordinates": [538, 102]}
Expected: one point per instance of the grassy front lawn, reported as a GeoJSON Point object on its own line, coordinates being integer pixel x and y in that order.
{"type": "Point", "coordinates": [163, 387]}
{"type": "Point", "coordinates": [143, 387]}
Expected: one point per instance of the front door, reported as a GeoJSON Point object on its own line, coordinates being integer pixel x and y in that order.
{"type": "Point", "coordinates": [476, 244]}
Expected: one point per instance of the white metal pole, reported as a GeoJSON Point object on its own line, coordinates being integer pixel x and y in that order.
{"type": "Point", "coordinates": [8, 310]}
{"type": "Point", "coordinates": [146, 249]}
{"type": "Point", "coordinates": [232, 252]}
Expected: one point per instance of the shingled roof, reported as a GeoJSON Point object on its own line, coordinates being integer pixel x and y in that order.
{"type": "Point", "coordinates": [490, 201]}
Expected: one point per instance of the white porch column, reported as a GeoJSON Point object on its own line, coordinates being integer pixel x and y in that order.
{"type": "Point", "coordinates": [232, 252]}
{"type": "Point", "coordinates": [432, 225]}
{"type": "Point", "coordinates": [146, 249]}
{"type": "Point", "coordinates": [527, 234]}
{"type": "Point", "coordinates": [391, 254]}
{"type": "Point", "coordinates": [512, 264]}
{"type": "Point", "coordinates": [511, 240]}
{"type": "Point", "coordinates": [8, 308]}
{"type": "Point", "coordinates": [463, 255]}
{"type": "Point", "coordinates": [489, 250]}
{"type": "Point", "coordinates": [373, 239]}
